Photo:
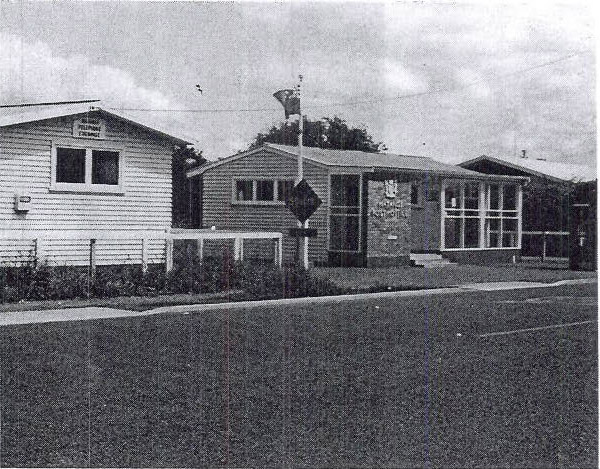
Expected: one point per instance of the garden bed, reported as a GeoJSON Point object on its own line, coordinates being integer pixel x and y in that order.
{"type": "Point", "coordinates": [128, 287]}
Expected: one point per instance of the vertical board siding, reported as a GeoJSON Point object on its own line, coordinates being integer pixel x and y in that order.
{"type": "Point", "coordinates": [219, 211]}
{"type": "Point", "coordinates": [25, 165]}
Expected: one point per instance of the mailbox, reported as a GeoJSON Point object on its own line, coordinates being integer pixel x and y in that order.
{"type": "Point", "coordinates": [22, 202]}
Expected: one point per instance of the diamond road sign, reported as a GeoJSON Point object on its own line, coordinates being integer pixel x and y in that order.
{"type": "Point", "coordinates": [303, 201]}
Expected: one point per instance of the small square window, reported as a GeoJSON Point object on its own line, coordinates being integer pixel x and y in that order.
{"type": "Point", "coordinates": [264, 190]}
{"type": "Point", "coordinates": [243, 190]}
{"type": "Point", "coordinates": [105, 167]}
{"type": "Point", "coordinates": [70, 165]}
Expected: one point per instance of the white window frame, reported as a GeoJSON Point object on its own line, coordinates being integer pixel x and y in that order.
{"type": "Point", "coordinates": [87, 186]}
{"type": "Point", "coordinates": [463, 213]}
{"type": "Point", "coordinates": [254, 201]}
{"type": "Point", "coordinates": [502, 215]}
{"type": "Point", "coordinates": [483, 209]}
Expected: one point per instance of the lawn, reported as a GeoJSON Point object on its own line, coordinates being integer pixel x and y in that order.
{"type": "Point", "coordinates": [376, 383]}
{"type": "Point", "coordinates": [406, 278]}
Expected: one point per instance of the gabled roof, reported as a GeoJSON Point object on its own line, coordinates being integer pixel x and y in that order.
{"type": "Point", "coordinates": [23, 115]}
{"type": "Point", "coordinates": [559, 172]}
{"type": "Point", "coordinates": [360, 160]}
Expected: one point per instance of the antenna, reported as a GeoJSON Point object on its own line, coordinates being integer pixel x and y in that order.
{"type": "Point", "coordinates": [53, 103]}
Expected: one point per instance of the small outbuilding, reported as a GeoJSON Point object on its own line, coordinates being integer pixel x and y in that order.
{"type": "Point", "coordinates": [378, 208]}
{"type": "Point", "coordinates": [72, 173]}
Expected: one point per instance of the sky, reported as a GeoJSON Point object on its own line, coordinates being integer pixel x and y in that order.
{"type": "Point", "coordinates": [451, 81]}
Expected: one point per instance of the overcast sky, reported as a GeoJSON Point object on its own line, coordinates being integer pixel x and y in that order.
{"type": "Point", "coordinates": [488, 79]}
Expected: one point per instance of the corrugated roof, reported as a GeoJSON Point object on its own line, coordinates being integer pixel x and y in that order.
{"type": "Point", "coordinates": [23, 115]}
{"type": "Point", "coordinates": [553, 169]}
{"type": "Point", "coordinates": [363, 160]}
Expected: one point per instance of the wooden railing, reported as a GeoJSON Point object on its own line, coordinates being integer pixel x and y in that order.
{"type": "Point", "coordinates": [40, 239]}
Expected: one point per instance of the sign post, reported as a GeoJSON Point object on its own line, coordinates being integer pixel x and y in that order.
{"type": "Point", "coordinates": [290, 99]}
{"type": "Point", "coordinates": [301, 173]}
{"type": "Point", "coordinates": [302, 202]}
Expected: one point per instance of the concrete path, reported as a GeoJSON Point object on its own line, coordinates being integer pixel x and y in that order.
{"type": "Point", "coordinates": [91, 313]}
{"type": "Point", "coordinates": [62, 315]}
{"type": "Point", "coordinates": [497, 286]}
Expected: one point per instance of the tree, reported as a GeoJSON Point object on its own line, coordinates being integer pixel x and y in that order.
{"type": "Point", "coordinates": [185, 197]}
{"type": "Point", "coordinates": [333, 133]}
{"type": "Point", "coordinates": [547, 207]}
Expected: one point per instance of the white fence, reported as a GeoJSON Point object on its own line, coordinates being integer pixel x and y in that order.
{"type": "Point", "coordinates": [142, 241]}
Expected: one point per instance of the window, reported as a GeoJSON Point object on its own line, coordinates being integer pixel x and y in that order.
{"type": "Point", "coordinates": [261, 191]}
{"type": "Point", "coordinates": [70, 165]}
{"type": "Point", "coordinates": [345, 217]}
{"type": "Point", "coordinates": [264, 190]}
{"type": "Point", "coordinates": [283, 189]}
{"type": "Point", "coordinates": [345, 190]}
{"type": "Point", "coordinates": [86, 169]}
{"type": "Point", "coordinates": [461, 215]}
{"type": "Point", "coordinates": [243, 190]}
{"type": "Point", "coordinates": [471, 208]}
{"type": "Point", "coordinates": [501, 216]}
{"type": "Point", "coordinates": [105, 167]}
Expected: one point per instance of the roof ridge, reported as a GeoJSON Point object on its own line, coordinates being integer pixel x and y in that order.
{"type": "Point", "coordinates": [42, 112]}
{"type": "Point", "coordinates": [543, 160]}
{"type": "Point", "coordinates": [357, 151]}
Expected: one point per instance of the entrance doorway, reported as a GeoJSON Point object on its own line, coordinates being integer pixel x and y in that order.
{"type": "Point", "coordinates": [346, 220]}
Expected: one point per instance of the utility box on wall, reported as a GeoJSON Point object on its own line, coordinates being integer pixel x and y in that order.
{"type": "Point", "coordinates": [22, 202]}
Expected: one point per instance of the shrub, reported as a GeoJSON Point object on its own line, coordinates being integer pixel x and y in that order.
{"type": "Point", "coordinates": [212, 275]}
{"type": "Point", "coordinates": [269, 282]}
{"type": "Point", "coordinates": [43, 283]}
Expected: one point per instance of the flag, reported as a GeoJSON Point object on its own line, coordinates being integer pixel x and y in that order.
{"type": "Point", "coordinates": [290, 101]}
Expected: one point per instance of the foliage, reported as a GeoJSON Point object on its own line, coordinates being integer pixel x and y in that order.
{"type": "Point", "coordinates": [328, 133]}
{"type": "Point", "coordinates": [211, 275]}
{"type": "Point", "coordinates": [185, 193]}
{"type": "Point", "coordinates": [547, 205]}
{"type": "Point", "coordinates": [269, 282]}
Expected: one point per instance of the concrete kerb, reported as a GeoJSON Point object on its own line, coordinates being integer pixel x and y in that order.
{"type": "Point", "coordinates": [92, 313]}
{"type": "Point", "coordinates": [305, 300]}
{"type": "Point", "coordinates": [468, 288]}
{"type": "Point", "coordinates": [498, 286]}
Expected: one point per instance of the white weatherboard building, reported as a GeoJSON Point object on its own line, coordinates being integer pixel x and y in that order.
{"type": "Point", "coordinates": [72, 173]}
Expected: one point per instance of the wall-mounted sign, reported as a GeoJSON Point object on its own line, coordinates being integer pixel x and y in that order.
{"type": "Point", "coordinates": [303, 232]}
{"type": "Point", "coordinates": [89, 127]}
{"type": "Point", "coordinates": [387, 209]}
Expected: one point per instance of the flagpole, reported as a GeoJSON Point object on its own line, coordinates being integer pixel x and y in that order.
{"type": "Point", "coordinates": [301, 171]}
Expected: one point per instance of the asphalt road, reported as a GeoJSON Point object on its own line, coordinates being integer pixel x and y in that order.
{"type": "Point", "coordinates": [490, 379]}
